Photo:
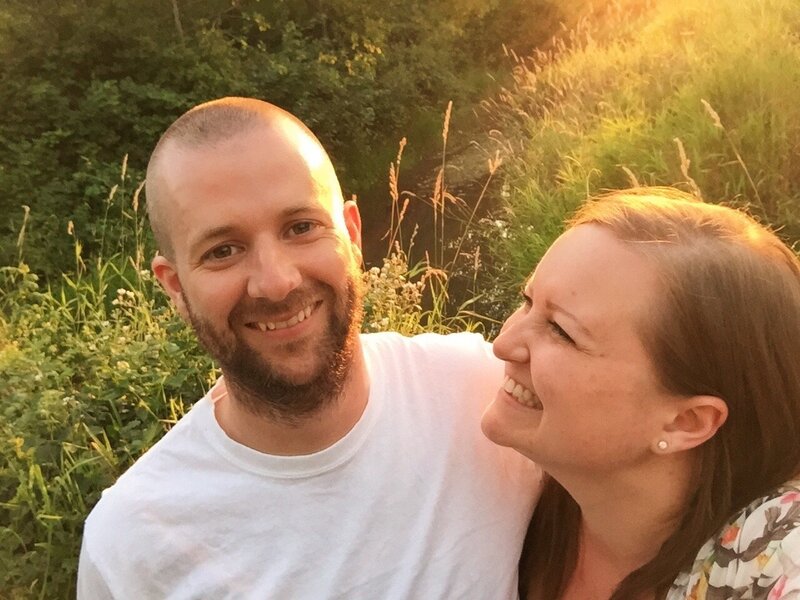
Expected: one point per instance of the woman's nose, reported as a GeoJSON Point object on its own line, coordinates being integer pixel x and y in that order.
{"type": "Point", "coordinates": [510, 345]}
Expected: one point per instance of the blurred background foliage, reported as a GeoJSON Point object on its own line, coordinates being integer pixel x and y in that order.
{"type": "Point", "coordinates": [96, 365]}
{"type": "Point", "coordinates": [86, 83]}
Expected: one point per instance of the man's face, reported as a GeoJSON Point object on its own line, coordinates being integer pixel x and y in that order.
{"type": "Point", "coordinates": [265, 262]}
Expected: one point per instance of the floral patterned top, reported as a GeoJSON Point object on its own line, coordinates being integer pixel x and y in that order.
{"type": "Point", "coordinates": [756, 556]}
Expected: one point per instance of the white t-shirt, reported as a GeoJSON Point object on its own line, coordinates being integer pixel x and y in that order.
{"type": "Point", "coordinates": [413, 503]}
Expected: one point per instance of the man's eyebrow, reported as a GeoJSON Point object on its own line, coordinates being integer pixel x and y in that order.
{"type": "Point", "coordinates": [210, 234]}
{"type": "Point", "coordinates": [294, 210]}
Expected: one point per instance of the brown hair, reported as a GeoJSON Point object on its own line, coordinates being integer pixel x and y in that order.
{"type": "Point", "coordinates": [729, 326]}
{"type": "Point", "coordinates": [206, 124]}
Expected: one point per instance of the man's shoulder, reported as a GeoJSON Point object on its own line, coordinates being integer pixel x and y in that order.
{"type": "Point", "coordinates": [433, 344]}
{"type": "Point", "coordinates": [434, 372]}
{"type": "Point", "coordinates": [151, 480]}
{"type": "Point", "coordinates": [464, 357]}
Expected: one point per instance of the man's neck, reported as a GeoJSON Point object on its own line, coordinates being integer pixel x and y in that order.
{"type": "Point", "coordinates": [310, 434]}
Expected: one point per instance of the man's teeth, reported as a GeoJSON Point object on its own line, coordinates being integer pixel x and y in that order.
{"type": "Point", "coordinates": [521, 394]}
{"type": "Point", "coordinates": [301, 316]}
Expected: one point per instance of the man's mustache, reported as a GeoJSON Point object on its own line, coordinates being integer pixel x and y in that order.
{"type": "Point", "coordinates": [251, 309]}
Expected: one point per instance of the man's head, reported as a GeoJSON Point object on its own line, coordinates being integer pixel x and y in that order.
{"type": "Point", "coordinates": [259, 252]}
{"type": "Point", "coordinates": [212, 123]}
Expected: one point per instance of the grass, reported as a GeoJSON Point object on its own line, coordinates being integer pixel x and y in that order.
{"type": "Point", "coordinates": [702, 96]}
{"type": "Point", "coordinates": [94, 372]}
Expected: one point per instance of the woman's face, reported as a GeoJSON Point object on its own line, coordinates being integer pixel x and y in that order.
{"type": "Point", "coordinates": [581, 391]}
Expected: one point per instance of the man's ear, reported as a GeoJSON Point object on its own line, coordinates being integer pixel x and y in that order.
{"type": "Point", "coordinates": [352, 221]}
{"type": "Point", "coordinates": [167, 276]}
{"type": "Point", "coordinates": [695, 420]}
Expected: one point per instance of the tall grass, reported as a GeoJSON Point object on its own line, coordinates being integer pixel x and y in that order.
{"type": "Point", "coordinates": [700, 95]}
{"type": "Point", "coordinates": [451, 258]}
{"type": "Point", "coordinates": [95, 369]}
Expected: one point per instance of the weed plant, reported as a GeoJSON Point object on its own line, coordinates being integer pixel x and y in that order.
{"type": "Point", "coordinates": [699, 95]}
{"type": "Point", "coordinates": [452, 258]}
{"type": "Point", "coordinates": [95, 369]}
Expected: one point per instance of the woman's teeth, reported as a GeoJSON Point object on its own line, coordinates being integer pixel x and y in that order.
{"type": "Point", "coordinates": [521, 394]}
{"type": "Point", "coordinates": [301, 316]}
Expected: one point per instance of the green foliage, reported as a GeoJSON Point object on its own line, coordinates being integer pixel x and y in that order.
{"type": "Point", "coordinates": [698, 95]}
{"type": "Point", "coordinates": [94, 372]}
{"type": "Point", "coordinates": [89, 82]}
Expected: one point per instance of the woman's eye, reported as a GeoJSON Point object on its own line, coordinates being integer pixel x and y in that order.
{"type": "Point", "coordinates": [559, 331]}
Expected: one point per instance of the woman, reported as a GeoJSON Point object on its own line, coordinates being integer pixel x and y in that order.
{"type": "Point", "coordinates": [653, 371]}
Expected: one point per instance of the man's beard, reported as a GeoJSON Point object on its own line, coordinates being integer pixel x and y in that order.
{"type": "Point", "coordinates": [259, 385]}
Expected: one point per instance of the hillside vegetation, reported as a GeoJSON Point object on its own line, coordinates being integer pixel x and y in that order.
{"type": "Point", "coordinates": [699, 95]}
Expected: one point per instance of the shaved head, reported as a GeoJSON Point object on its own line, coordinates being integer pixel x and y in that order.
{"type": "Point", "coordinates": [210, 124]}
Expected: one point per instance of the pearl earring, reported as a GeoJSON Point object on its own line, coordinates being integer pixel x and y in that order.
{"type": "Point", "coordinates": [662, 444]}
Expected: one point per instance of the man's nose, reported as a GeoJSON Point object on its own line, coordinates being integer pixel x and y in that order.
{"type": "Point", "coordinates": [273, 273]}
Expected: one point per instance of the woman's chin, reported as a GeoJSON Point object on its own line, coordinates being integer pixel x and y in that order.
{"type": "Point", "coordinates": [503, 429]}
{"type": "Point", "coordinates": [490, 427]}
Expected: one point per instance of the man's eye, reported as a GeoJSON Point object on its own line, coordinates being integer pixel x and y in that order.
{"type": "Point", "coordinates": [221, 252]}
{"type": "Point", "coordinates": [302, 227]}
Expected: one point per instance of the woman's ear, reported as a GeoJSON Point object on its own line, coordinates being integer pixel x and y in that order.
{"type": "Point", "coordinates": [695, 420]}
{"type": "Point", "coordinates": [167, 276]}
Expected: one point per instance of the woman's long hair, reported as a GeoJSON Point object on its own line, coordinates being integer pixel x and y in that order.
{"type": "Point", "coordinates": [727, 324]}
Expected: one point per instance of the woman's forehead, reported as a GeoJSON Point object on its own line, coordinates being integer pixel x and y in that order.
{"type": "Point", "coordinates": [595, 276]}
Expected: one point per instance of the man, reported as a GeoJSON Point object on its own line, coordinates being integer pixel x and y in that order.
{"type": "Point", "coordinates": [323, 464]}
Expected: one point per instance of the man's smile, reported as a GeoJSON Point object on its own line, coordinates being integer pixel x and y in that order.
{"type": "Point", "coordinates": [271, 325]}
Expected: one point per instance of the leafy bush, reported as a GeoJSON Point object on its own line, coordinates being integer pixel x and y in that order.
{"type": "Point", "coordinates": [95, 371]}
